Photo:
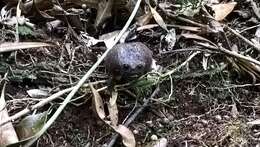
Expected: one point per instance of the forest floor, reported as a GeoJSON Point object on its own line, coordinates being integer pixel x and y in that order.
{"type": "Point", "coordinates": [204, 93]}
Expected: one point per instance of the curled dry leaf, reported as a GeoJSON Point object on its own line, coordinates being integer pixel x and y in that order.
{"type": "Point", "coordinates": [127, 135]}
{"type": "Point", "coordinates": [7, 132]}
{"type": "Point", "coordinates": [222, 10]}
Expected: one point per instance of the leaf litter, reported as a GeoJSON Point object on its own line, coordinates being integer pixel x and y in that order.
{"type": "Point", "coordinates": [208, 75]}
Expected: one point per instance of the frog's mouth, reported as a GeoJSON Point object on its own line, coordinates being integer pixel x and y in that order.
{"type": "Point", "coordinates": [132, 75]}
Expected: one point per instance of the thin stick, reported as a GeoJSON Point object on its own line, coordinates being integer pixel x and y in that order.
{"type": "Point", "coordinates": [181, 65]}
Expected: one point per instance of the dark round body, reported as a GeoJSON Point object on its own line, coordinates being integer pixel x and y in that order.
{"type": "Point", "coordinates": [128, 60]}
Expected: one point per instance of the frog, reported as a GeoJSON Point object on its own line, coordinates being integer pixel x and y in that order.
{"type": "Point", "coordinates": [128, 61]}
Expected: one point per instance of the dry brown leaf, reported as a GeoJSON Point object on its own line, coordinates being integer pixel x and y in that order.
{"type": "Point", "coordinates": [158, 18]}
{"type": "Point", "coordinates": [112, 108]}
{"type": "Point", "coordinates": [222, 10]}
{"type": "Point", "coordinates": [127, 135]}
{"type": "Point", "coordinates": [12, 46]}
{"type": "Point", "coordinates": [98, 102]}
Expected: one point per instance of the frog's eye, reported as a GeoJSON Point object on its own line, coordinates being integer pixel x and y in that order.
{"type": "Point", "coordinates": [126, 67]}
{"type": "Point", "coordinates": [139, 66]}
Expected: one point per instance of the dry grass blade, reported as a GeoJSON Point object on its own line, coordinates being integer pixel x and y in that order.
{"type": "Point", "coordinates": [158, 18]}
{"type": "Point", "coordinates": [13, 46]}
{"type": "Point", "coordinates": [197, 37]}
